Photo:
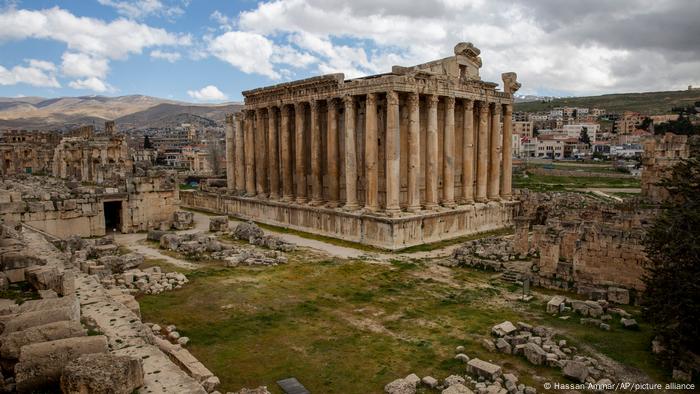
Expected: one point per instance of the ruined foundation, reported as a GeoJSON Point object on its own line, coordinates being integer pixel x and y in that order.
{"type": "Point", "coordinates": [390, 233]}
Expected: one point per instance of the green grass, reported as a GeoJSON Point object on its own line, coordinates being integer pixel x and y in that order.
{"type": "Point", "coordinates": [571, 183]}
{"type": "Point", "coordinates": [318, 237]}
{"type": "Point", "coordinates": [347, 326]}
{"type": "Point", "coordinates": [19, 292]}
{"type": "Point", "coordinates": [648, 103]}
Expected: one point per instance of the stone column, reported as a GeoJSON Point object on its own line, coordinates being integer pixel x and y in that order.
{"type": "Point", "coordinates": [332, 159]}
{"type": "Point", "coordinates": [494, 159]}
{"type": "Point", "coordinates": [482, 162]}
{"type": "Point", "coordinates": [249, 155]}
{"type": "Point", "coordinates": [260, 156]}
{"type": "Point", "coordinates": [316, 185]}
{"type": "Point", "coordinates": [507, 177]}
{"type": "Point", "coordinates": [240, 156]}
{"type": "Point", "coordinates": [448, 148]}
{"type": "Point", "coordinates": [286, 145]}
{"type": "Point", "coordinates": [413, 152]}
{"type": "Point", "coordinates": [393, 153]}
{"type": "Point", "coordinates": [299, 153]}
{"type": "Point", "coordinates": [468, 154]}
{"type": "Point", "coordinates": [272, 153]}
{"type": "Point", "coordinates": [431, 155]}
{"type": "Point", "coordinates": [230, 164]}
{"type": "Point", "coordinates": [350, 154]}
{"type": "Point", "coordinates": [371, 154]}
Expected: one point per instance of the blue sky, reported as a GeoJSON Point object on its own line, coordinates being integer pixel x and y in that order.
{"type": "Point", "coordinates": [210, 51]}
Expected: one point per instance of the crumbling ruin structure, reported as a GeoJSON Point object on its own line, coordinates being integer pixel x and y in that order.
{"type": "Point", "coordinates": [92, 158]}
{"type": "Point", "coordinates": [661, 153]}
{"type": "Point", "coordinates": [589, 246]}
{"type": "Point", "coordinates": [391, 160]}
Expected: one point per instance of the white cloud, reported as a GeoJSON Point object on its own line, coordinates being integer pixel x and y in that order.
{"type": "Point", "coordinates": [83, 65]}
{"type": "Point", "coordinates": [171, 57]}
{"type": "Point", "coordinates": [207, 93]}
{"type": "Point", "coordinates": [92, 83]}
{"type": "Point", "coordinates": [138, 9]}
{"type": "Point", "coordinates": [249, 52]}
{"type": "Point", "coordinates": [581, 49]}
{"type": "Point", "coordinates": [38, 73]}
{"type": "Point", "coordinates": [113, 40]}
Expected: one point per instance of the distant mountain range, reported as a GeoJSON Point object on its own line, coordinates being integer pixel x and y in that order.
{"type": "Point", "coordinates": [134, 111]}
{"type": "Point", "coordinates": [649, 103]}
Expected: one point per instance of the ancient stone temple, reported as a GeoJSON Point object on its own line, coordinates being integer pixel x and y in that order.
{"type": "Point", "coordinates": [412, 156]}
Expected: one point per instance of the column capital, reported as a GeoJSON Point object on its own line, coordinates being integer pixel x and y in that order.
{"type": "Point", "coordinates": [313, 105]}
{"type": "Point", "coordinates": [259, 111]}
{"type": "Point", "coordinates": [468, 104]}
{"type": "Point", "coordinates": [239, 115]}
{"type": "Point", "coordinates": [483, 108]}
{"type": "Point", "coordinates": [413, 100]}
{"type": "Point", "coordinates": [299, 105]}
{"type": "Point", "coordinates": [433, 100]}
{"type": "Point", "coordinates": [371, 98]}
{"type": "Point", "coordinates": [450, 102]}
{"type": "Point", "coordinates": [508, 109]}
{"type": "Point", "coordinates": [332, 102]}
{"type": "Point", "coordinates": [496, 108]}
{"type": "Point", "coordinates": [392, 97]}
{"type": "Point", "coordinates": [285, 109]}
{"type": "Point", "coordinates": [229, 118]}
{"type": "Point", "coordinates": [348, 100]}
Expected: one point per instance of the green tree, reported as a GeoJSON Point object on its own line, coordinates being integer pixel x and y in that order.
{"type": "Point", "coordinates": [681, 126]}
{"type": "Point", "coordinates": [583, 137]}
{"type": "Point", "coordinates": [671, 299]}
{"type": "Point", "coordinates": [147, 143]}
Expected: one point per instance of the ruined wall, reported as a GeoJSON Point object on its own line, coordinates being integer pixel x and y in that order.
{"type": "Point", "coordinates": [581, 243]}
{"type": "Point", "coordinates": [661, 153]}
{"type": "Point", "coordinates": [151, 203]}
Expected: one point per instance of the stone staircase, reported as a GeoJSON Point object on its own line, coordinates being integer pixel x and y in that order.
{"type": "Point", "coordinates": [510, 276]}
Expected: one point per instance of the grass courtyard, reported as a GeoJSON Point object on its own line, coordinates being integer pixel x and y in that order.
{"type": "Point", "coordinates": [351, 326]}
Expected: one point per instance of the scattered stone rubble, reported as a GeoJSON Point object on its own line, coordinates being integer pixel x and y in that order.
{"type": "Point", "coordinates": [593, 313]}
{"type": "Point", "coordinates": [539, 346]}
{"type": "Point", "coordinates": [488, 253]}
{"type": "Point", "coordinates": [482, 377]}
{"type": "Point", "coordinates": [198, 246]}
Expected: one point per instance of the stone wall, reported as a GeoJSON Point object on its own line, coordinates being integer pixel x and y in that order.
{"type": "Point", "coordinates": [63, 208]}
{"type": "Point", "coordinates": [380, 231]}
{"type": "Point", "coordinates": [581, 243]}
{"type": "Point", "coordinates": [661, 153]}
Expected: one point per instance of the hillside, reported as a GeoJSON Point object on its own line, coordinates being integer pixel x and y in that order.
{"type": "Point", "coordinates": [648, 103]}
{"type": "Point", "coordinates": [127, 111]}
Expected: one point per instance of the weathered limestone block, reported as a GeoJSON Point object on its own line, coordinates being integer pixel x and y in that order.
{"type": "Point", "coordinates": [7, 307]}
{"type": "Point", "coordinates": [119, 264]}
{"type": "Point", "coordinates": [555, 305]}
{"type": "Point", "coordinates": [218, 223]}
{"type": "Point", "coordinates": [259, 390]}
{"type": "Point", "coordinates": [503, 329]}
{"type": "Point", "coordinates": [14, 264]}
{"type": "Point", "coordinates": [40, 312]}
{"type": "Point", "coordinates": [458, 388]}
{"type": "Point", "coordinates": [41, 364]}
{"type": "Point", "coordinates": [185, 360]}
{"type": "Point", "coordinates": [155, 235]}
{"type": "Point", "coordinates": [483, 369]}
{"type": "Point", "coordinates": [102, 373]}
{"type": "Point", "coordinates": [44, 278]}
{"type": "Point", "coordinates": [10, 344]}
{"type": "Point", "coordinates": [535, 354]}
{"type": "Point", "coordinates": [400, 386]}
{"type": "Point", "coordinates": [183, 220]}
{"type": "Point", "coordinates": [618, 295]}
{"type": "Point", "coordinates": [248, 231]}
{"type": "Point", "coordinates": [576, 370]}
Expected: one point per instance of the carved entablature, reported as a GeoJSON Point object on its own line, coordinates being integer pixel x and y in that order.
{"type": "Point", "coordinates": [456, 76]}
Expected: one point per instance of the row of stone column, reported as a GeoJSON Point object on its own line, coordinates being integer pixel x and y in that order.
{"type": "Point", "coordinates": [251, 154]}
